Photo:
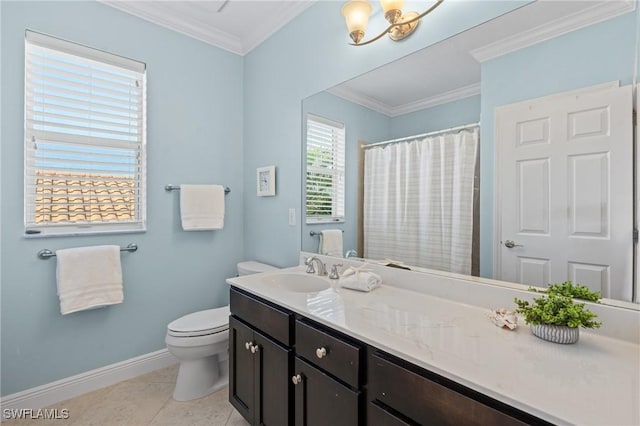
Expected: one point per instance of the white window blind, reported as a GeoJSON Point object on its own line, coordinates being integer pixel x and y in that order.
{"type": "Point", "coordinates": [325, 170]}
{"type": "Point", "coordinates": [85, 139]}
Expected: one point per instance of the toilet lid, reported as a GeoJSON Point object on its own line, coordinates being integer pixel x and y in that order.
{"type": "Point", "coordinates": [200, 323]}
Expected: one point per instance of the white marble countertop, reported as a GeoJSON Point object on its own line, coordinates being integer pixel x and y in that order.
{"type": "Point", "coordinates": [593, 382]}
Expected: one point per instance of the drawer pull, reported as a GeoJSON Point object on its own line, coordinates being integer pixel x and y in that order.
{"type": "Point", "coordinates": [321, 352]}
{"type": "Point", "coordinates": [248, 345]}
{"type": "Point", "coordinates": [255, 348]}
{"type": "Point", "coordinates": [296, 379]}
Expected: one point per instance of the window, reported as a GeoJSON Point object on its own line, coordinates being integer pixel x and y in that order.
{"type": "Point", "coordinates": [325, 170]}
{"type": "Point", "coordinates": [85, 138]}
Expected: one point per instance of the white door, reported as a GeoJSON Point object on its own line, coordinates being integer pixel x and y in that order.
{"type": "Point", "coordinates": [566, 190]}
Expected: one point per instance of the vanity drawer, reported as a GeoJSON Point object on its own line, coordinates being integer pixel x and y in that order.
{"type": "Point", "coordinates": [378, 416]}
{"type": "Point", "coordinates": [425, 401]}
{"type": "Point", "coordinates": [269, 319]}
{"type": "Point", "coordinates": [331, 353]}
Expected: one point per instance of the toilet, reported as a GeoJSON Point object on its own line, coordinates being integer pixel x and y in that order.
{"type": "Point", "coordinates": [200, 342]}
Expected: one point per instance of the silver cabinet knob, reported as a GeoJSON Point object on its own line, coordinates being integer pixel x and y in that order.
{"type": "Point", "coordinates": [321, 352]}
{"type": "Point", "coordinates": [511, 244]}
{"type": "Point", "coordinates": [296, 379]}
{"type": "Point", "coordinates": [248, 345]}
{"type": "Point", "coordinates": [254, 349]}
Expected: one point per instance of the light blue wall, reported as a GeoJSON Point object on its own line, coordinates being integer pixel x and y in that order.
{"type": "Point", "coordinates": [361, 125]}
{"type": "Point", "coordinates": [308, 55]}
{"type": "Point", "coordinates": [194, 136]}
{"type": "Point", "coordinates": [598, 54]}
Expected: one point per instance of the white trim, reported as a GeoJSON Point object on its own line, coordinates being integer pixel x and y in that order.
{"type": "Point", "coordinates": [599, 12]}
{"type": "Point", "coordinates": [442, 98]}
{"type": "Point", "coordinates": [394, 111]}
{"type": "Point", "coordinates": [207, 33]}
{"type": "Point", "coordinates": [61, 390]}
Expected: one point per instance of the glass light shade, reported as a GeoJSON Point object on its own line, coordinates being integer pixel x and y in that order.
{"type": "Point", "coordinates": [388, 5]}
{"type": "Point", "coordinates": [356, 14]}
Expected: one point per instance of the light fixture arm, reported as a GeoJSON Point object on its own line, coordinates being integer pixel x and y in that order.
{"type": "Point", "coordinates": [397, 24]}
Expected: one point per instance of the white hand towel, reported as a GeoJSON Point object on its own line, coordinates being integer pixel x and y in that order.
{"type": "Point", "coordinates": [202, 207]}
{"type": "Point", "coordinates": [331, 242]}
{"type": "Point", "coordinates": [358, 279]}
{"type": "Point", "coordinates": [89, 277]}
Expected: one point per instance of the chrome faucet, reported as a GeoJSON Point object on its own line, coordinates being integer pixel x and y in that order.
{"type": "Point", "coordinates": [311, 270]}
{"type": "Point", "coordinates": [351, 253]}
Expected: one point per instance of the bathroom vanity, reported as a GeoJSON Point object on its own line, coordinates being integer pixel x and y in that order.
{"type": "Point", "coordinates": [396, 356]}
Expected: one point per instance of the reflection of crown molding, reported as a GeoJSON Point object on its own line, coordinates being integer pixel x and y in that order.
{"type": "Point", "coordinates": [207, 33]}
{"type": "Point", "coordinates": [443, 98]}
{"type": "Point", "coordinates": [376, 105]}
{"type": "Point", "coordinates": [600, 12]}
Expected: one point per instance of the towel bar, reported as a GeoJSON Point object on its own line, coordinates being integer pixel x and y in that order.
{"type": "Point", "coordinates": [314, 233]}
{"type": "Point", "coordinates": [177, 188]}
{"type": "Point", "coordinates": [46, 253]}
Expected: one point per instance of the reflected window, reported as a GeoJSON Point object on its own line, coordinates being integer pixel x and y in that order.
{"type": "Point", "coordinates": [325, 170]}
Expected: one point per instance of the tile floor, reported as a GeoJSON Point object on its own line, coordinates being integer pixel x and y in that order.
{"type": "Point", "coordinates": [141, 401]}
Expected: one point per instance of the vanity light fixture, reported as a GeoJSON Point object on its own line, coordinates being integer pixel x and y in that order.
{"type": "Point", "coordinates": [356, 14]}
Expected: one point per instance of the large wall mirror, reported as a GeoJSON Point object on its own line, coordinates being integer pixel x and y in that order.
{"type": "Point", "coordinates": [522, 127]}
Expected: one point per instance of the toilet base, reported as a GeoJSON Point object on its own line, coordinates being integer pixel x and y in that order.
{"type": "Point", "coordinates": [200, 377]}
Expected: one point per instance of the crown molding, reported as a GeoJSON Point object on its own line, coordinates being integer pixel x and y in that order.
{"type": "Point", "coordinates": [208, 34]}
{"type": "Point", "coordinates": [360, 99]}
{"type": "Point", "coordinates": [390, 111]}
{"type": "Point", "coordinates": [442, 98]}
{"type": "Point", "coordinates": [599, 12]}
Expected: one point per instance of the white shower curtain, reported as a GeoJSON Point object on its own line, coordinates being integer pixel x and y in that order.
{"type": "Point", "coordinates": [418, 201]}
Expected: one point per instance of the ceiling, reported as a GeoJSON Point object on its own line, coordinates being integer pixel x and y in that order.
{"type": "Point", "coordinates": [234, 25]}
{"type": "Point", "coordinates": [441, 73]}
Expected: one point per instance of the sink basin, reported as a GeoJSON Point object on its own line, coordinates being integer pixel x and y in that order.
{"type": "Point", "coordinates": [299, 283]}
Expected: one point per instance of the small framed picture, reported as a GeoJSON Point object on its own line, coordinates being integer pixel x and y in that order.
{"type": "Point", "coordinates": [266, 181]}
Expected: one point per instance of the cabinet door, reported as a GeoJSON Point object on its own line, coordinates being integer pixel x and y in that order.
{"type": "Point", "coordinates": [273, 382]}
{"type": "Point", "coordinates": [320, 400]}
{"type": "Point", "coordinates": [241, 369]}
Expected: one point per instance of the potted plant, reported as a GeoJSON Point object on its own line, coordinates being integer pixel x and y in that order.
{"type": "Point", "coordinates": [557, 317]}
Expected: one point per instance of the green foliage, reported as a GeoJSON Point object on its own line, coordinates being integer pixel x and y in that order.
{"type": "Point", "coordinates": [556, 309]}
{"type": "Point", "coordinates": [569, 289]}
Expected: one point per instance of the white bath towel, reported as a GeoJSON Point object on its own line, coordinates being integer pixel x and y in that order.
{"type": "Point", "coordinates": [359, 279]}
{"type": "Point", "coordinates": [202, 207]}
{"type": "Point", "coordinates": [331, 242]}
{"type": "Point", "coordinates": [89, 277]}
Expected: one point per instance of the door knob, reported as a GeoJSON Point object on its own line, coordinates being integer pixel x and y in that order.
{"type": "Point", "coordinates": [321, 352]}
{"type": "Point", "coordinates": [254, 349]}
{"type": "Point", "coordinates": [248, 345]}
{"type": "Point", "coordinates": [296, 379]}
{"type": "Point", "coordinates": [511, 244]}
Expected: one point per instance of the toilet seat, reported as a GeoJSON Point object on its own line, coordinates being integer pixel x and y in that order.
{"type": "Point", "coordinates": [200, 323]}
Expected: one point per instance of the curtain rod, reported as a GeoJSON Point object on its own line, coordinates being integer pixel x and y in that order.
{"type": "Point", "coordinates": [406, 138]}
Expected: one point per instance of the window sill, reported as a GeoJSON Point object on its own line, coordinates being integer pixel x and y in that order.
{"type": "Point", "coordinates": [323, 221]}
{"type": "Point", "coordinates": [84, 233]}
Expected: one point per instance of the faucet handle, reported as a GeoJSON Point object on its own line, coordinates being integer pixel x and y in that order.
{"type": "Point", "coordinates": [310, 269]}
{"type": "Point", "coordinates": [334, 271]}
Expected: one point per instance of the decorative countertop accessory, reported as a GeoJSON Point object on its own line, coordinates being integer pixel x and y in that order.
{"type": "Point", "coordinates": [556, 318]}
{"type": "Point", "coordinates": [504, 318]}
{"type": "Point", "coordinates": [359, 279]}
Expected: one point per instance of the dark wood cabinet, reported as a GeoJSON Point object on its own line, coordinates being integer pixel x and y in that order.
{"type": "Point", "coordinates": [321, 400]}
{"type": "Point", "coordinates": [258, 376]}
{"type": "Point", "coordinates": [259, 366]}
{"type": "Point", "coordinates": [286, 369]}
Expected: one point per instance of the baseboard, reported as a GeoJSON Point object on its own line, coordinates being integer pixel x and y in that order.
{"type": "Point", "coordinates": [61, 390]}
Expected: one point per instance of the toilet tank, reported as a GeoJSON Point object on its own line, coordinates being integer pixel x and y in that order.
{"type": "Point", "coordinates": [253, 267]}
